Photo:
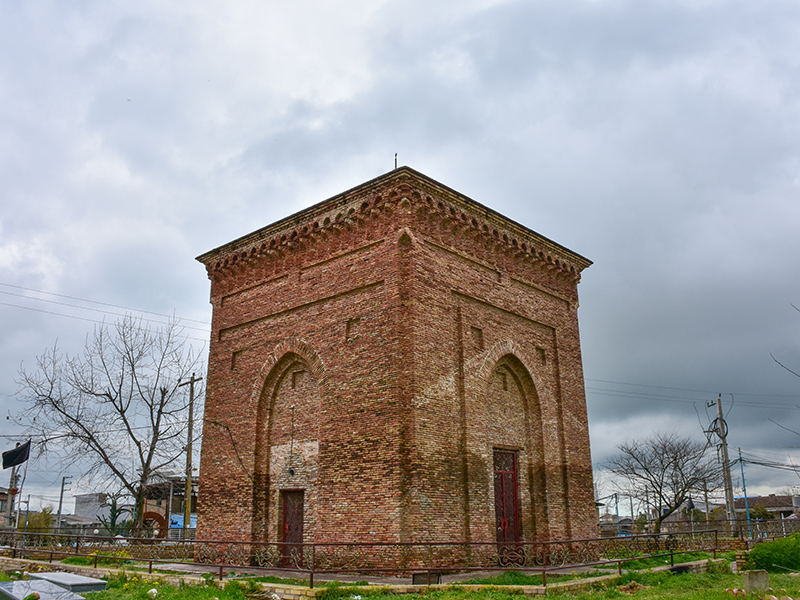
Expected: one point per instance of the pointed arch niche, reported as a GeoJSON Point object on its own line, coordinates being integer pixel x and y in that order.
{"type": "Point", "coordinates": [287, 445]}
{"type": "Point", "coordinates": [505, 441]}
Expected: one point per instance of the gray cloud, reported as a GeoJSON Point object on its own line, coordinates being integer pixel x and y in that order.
{"type": "Point", "coordinates": [659, 139]}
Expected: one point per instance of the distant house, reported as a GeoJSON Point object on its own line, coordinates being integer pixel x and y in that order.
{"type": "Point", "coordinates": [73, 524]}
{"type": "Point", "coordinates": [165, 504]}
{"type": "Point", "coordinates": [683, 514]}
{"type": "Point", "coordinates": [163, 509]}
{"type": "Point", "coordinates": [90, 509]}
{"type": "Point", "coordinates": [92, 506]}
{"type": "Point", "coordinates": [3, 505]}
{"type": "Point", "coordinates": [782, 506]}
{"type": "Point", "coordinates": [610, 526]}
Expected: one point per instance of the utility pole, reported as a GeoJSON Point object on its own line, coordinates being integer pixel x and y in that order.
{"type": "Point", "coordinates": [632, 517]}
{"type": "Point", "coordinates": [12, 490]}
{"type": "Point", "coordinates": [27, 512]}
{"type": "Point", "coordinates": [187, 509]}
{"type": "Point", "coordinates": [168, 511]}
{"type": "Point", "coordinates": [61, 501]}
{"type": "Point", "coordinates": [744, 488]}
{"type": "Point", "coordinates": [722, 432]}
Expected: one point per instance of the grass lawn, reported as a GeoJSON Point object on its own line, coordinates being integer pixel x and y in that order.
{"type": "Point", "coordinates": [137, 587]}
{"type": "Point", "coordinates": [648, 585]}
{"type": "Point", "coordinates": [645, 585]}
{"type": "Point", "coordinates": [660, 561]}
{"type": "Point", "coordinates": [519, 578]}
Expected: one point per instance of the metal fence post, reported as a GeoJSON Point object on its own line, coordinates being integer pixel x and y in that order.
{"type": "Point", "coordinates": [313, 561]}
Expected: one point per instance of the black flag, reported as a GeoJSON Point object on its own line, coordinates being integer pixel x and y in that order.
{"type": "Point", "coordinates": [17, 456]}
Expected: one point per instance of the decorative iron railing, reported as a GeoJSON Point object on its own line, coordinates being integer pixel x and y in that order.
{"type": "Point", "coordinates": [741, 528]}
{"type": "Point", "coordinates": [365, 558]}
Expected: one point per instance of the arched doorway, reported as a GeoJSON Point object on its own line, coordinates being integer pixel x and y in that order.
{"type": "Point", "coordinates": [514, 443]}
{"type": "Point", "coordinates": [287, 454]}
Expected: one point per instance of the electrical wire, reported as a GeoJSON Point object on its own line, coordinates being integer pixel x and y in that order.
{"type": "Point", "coordinates": [92, 309]}
{"type": "Point", "coordinates": [638, 395]}
{"type": "Point", "coordinates": [99, 322]}
{"type": "Point", "coordinates": [750, 458]}
{"type": "Point", "coordinates": [661, 387]}
{"type": "Point", "coordinates": [97, 310]}
{"type": "Point", "coordinates": [27, 289]}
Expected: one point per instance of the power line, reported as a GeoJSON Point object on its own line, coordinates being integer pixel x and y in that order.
{"type": "Point", "coordinates": [655, 397]}
{"type": "Point", "coordinates": [661, 387]}
{"type": "Point", "coordinates": [105, 312]}
{"type": "Point", "coordinates": [99, 322]}
{"type": "Point", "coordinates": [753, 459]}
{"type": "Point", "coordinates": [27, 289]}
{"type": "Point", "coordinates": [178, 421]}
{"type": "Point", "coordinates": [639, 395]}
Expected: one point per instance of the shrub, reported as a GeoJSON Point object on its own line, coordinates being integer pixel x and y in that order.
{"type": "Point", "coordinates": [777, 556]}
{"type": "Point", "coordinates": [78, 560]}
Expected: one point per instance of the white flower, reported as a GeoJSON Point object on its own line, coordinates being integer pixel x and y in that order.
{"type": "Point", "coordinates": [153, 592]}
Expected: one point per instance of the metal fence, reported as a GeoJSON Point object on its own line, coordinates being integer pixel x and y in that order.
{"type": "Point", "coordinates": [755, 529]}
{"type": "Point", "coordinates": [386, 559]}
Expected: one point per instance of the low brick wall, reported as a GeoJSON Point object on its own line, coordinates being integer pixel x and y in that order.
{"type": "Point", "coordinates": [731, 544]}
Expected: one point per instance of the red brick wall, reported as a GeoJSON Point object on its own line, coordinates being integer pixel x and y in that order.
{"type": "Point", "coordinates": [414, 331]}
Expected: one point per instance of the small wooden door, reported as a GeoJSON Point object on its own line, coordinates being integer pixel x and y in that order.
{"type": "Point", "coordinates": [292, 534]}
{"type": "Point", "coordinates": [506, 501]}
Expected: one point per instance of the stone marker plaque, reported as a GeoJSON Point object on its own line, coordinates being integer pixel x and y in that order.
{"type": "Point", "coordinates": [72, 582]}
{"type": "Point", "coordinates": [17, 590]}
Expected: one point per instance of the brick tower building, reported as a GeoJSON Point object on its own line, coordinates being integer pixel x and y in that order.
{"type": "Point", "coordinates": [396, 363]}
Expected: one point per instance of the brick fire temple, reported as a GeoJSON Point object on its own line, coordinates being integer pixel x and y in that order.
{"type": "Point", "coordinates": [398, 363]}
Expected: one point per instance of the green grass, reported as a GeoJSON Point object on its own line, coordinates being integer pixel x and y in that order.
{"type": "Point", "coordinates": [661, 585]}
{"type": "Point", "coordinates": [520, 578]}
{"type": "Point", "coordinates": [101, 561]}
{"type": "Point", "coordinates": [272, 579]}
{"type": "Point", "coordinates": [658, 585]}
{"type": "Point", "coordinates": [123, 587]}
{"type": "Point", "coordinates": [660, 561]}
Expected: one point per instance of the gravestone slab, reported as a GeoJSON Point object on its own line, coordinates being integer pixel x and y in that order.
{"type": "Point", "coordinates": [17, 590]}
{"type": "Point", "coordinates": [72, 582]}
{"type": "Point", "coordinates": [756, 581]}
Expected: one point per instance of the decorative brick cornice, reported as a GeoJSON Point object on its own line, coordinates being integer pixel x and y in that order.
{"type": "Point", "coordinates": [402, 189]}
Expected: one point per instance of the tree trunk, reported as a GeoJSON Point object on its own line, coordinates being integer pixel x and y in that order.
{"type": "Point", "coordinates": [138, 519]}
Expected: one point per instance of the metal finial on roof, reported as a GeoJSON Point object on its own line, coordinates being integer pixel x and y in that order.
{"type": "Point", "coordinates": [395, 160]}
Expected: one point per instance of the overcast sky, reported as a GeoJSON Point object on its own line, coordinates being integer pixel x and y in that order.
{"type": "Point", "coordinates": [660, 139]}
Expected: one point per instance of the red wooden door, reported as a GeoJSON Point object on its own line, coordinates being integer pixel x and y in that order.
{"type": "Point", "coordinates": [292, 537]}
{"type": "Point", "coordinates": [506, 502]}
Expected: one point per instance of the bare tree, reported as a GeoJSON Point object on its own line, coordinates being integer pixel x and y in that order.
{"type": "Point", "coordinates": [663, 471]}
{"type": "Point", "coordinates": [116, 407]}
